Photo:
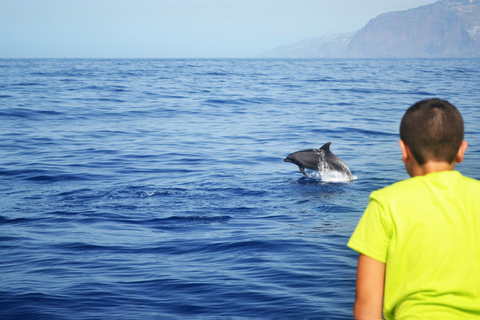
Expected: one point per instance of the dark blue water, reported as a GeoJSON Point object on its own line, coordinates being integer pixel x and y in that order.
{"type": "Point", "coordinates": [156, 189]}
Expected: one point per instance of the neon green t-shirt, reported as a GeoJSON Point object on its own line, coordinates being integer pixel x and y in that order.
{"type": "Point", "coordinates": [427, 231]}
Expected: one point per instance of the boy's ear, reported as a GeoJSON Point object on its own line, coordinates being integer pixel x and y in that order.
{"type": "Point", "coordinates": [461, 152]}
{"type": "Point", "coordinates": [405, 151]}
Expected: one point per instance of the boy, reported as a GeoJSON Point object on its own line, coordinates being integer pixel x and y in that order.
{"type": "Point", "coordinates": [419, 239]}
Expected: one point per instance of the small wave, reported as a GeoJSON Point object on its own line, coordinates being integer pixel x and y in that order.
{"type": "Point", "coordinates": [55, 177]}
{"type": "Point", "coordinates": [28, 113]}
{"type": "Point", "coordinates": [28, 84]}
{"type": "Point", "coordinates": [168, 222]}
{"type": "Point", "coordinates": [199, 219]}
{"type": "Point", "coordinates": [223, 74]}
{"type": "Point", "coordinates": [224, 102]}
{"type": "Point", "coordinates": [4, 220]}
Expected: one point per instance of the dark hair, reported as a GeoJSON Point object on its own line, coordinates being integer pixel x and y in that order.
{"type": "Point", "coordinates": [433, 130]}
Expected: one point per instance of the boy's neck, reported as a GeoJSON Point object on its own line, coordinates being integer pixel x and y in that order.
{"type": "Point", "coordinates": [414, 169]}
{"type": "Point", "coordinates": [430, 167]}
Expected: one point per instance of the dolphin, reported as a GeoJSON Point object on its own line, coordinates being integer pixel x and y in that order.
{"type": "Point", "coordinates": [319, 160]}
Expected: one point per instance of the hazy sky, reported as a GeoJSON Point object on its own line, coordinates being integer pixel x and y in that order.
{"type": "Point", "coordinates": [175, 28]}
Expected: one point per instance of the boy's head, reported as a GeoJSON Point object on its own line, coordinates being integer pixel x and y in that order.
{"type": "Point", "coordinates": [433, 131]}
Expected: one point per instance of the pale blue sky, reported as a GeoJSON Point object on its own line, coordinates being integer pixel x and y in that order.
{"type": "Point", "coordinates": [175, 28]}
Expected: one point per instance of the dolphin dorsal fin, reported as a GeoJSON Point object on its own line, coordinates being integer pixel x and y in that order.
{"type": "Point", "coordinates": [326, 146]}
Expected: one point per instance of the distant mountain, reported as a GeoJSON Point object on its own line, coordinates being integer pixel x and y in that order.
{"type": "Point", "coordinates": [445, 28]}
{"type": "Point", "coordinates": [325, 47]}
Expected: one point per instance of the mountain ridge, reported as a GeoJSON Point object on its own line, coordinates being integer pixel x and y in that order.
{"type": "Point", "coordinates": [446, 28]}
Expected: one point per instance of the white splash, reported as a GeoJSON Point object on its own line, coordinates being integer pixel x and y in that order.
{"type": "Point", "coordinates": [331, 176]}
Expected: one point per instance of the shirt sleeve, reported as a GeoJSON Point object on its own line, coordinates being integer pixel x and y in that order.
{"type": "Point", "coordinates": [374, 231]}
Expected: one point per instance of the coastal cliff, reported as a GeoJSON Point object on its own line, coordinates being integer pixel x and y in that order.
{"type": "Point", "coordinates": [445, 28]}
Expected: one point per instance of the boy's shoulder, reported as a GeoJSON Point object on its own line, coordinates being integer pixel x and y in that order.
{"type": "Point", "coordinates": [452, 180]}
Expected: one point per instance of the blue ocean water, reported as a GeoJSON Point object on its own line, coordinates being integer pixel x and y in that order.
{"type": "Point", "coordinates": [156, 189]}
